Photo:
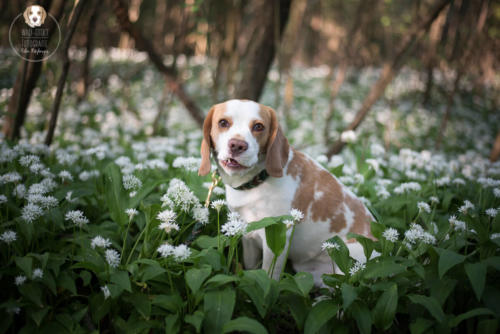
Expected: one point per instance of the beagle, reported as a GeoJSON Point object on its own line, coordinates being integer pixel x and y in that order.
{"type": "Point", "coordinates": [265, 177]}
{"type": "Point", "coordinates": [34, 16]}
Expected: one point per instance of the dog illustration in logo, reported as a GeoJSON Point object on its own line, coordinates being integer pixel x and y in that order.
{"type": "Point", "coordinates": [34, 16]}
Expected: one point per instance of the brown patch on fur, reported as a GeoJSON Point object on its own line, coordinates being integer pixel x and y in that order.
{"type": "Point", "coordinates": [277, 146]}
{"type": "Point", "coordinates": [263, 136]}
{"type": "Point", "coordinates": [362, 219]}
{"type": "Point", "coordinates": [314, 179]}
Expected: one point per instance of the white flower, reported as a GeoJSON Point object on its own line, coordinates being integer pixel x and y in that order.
{"type": "Point", "coordinates": [459, 181]}
{"type": "Point", "coordinates": [445, 180]}
{"type": "Point", "coordinates": [14, 310]}
{"type": "Point", "coordinates": [391, 234]}
{"type": "Point", "coordinates": [357, 266]}
{"type": "Point", "coordinates": [131, 213]}
{"type": "Point", "coordinates": [383, 193]}
{"type": "Point", "coordinates": [112, 257]}
{"type": "Point", "coordinates": [65, 175]}
{"type": "Point", "coordinates": [234, 226]}
{"type": "Point", "coordinates": [180, 195]}
{"type": "Point", "coordinates": [289, 223]}
{"type": "Point", "coordinates": [131, 182]}
{"type": "Point", "coordinates": [168, 227]}
{"type": "Point", "coordinates": [19, 280]}
{"type": "Point", "coordinates": [434, 199]}
{"type": "Point", "coordinates": [45, 202]}
{"type": "Point", "coordinates": [458, 225]}
{"type": "Point", "coordinates": [99, 241]}
{"type": "Point", "coordinates": [37, 273]}
{"type": "Point", "coordinates": [165, 250]}
{"type": "Point", "coordinates": [348, 136]}
{"type": "Point", "coordinates": [329, 245]}
{"type": "Point", "coordinates": [416, 232]}
{"type": "Point", "coordinates": [166, 216]}
{"type": "Point", "coordinates": [495, 236]}
{"type": "Point", "coordinates": [8, 236]}
{"type": "Point", "coordinates": [19, 191]}
{"type": "Point", "coordinates": [466, 206]}
{"type": "Point", "coordinates": [76, 217]}
{"type": "Point", "coordinates": [492, 212]}
{"type": "Point", "coordinates": [181, 253]}
{"type": "Point", "coordinates": [132, 194]}
{"type": "Point", "coordinates": [434, 227]}
{"type": "Point", "coordinates": [3, 199]}
{"type": "Point", "coordinates": [422, 206]}
{"type": "Point", "coordinates": [296, 214]}
{"type": "Point", "coordinates": [10, 177]}
{"type": "Point", "coordinates": [86, 175]}
{"type": "Point", "coordinates": [68, 197]}
{"type": "Point", "coordinates": [200, 214]}
{"type": "Point", "coordinates": [189, 163]}
{"type": "Point", "coordinates": [218, 204]}
{"type": "Point", "coordinates": [496, 192]}
{"type": "Point", "coordinates": [105, 291]}
{"type": "Point", "coordinates": [407, 187]}
{"type": "Point", "coordinates": [27, 160]}
{"type": "Point", "coordinates": [31, 212]}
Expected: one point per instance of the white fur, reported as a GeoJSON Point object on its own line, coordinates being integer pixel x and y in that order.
{"type": "Point", "coordinates": [36, 12]}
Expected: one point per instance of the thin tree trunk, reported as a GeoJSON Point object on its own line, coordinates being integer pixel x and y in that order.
{"type": "Point", "coordinates": [388, 72]}
{"type": "Point", "coordinates": [449, 106]}
{"type": "Point", "coordinates": [84, 82]}
{"type": "Point", "coordinates": [337, 83]}
{"type": "Point", "coordinates": [159, 119]}
{"type": "Point", "coordinates": [27, 77]}
{"type": "Point", "coordinates": [120, 9]}
{"type": "Point", "coordinates": [74, 17]}
{"type": "Point", "coordinates": [495, 151]}
{"type": "Point", "coordinates": [262, 49]}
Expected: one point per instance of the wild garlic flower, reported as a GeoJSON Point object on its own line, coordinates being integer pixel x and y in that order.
{"type": "Point", "coordinates": [8, 236]}
{"type": "Point", "coordinates": [495, 236]}
{"type": "Point", "coordinates": [496, 192]}
{"type": "Point", "coordinates": [289, 223]}
{"type": "Point", "coordinates": [357, 266]}
{"type": "Point", "coordinates": [101, 242]}
{"type": "Point", "coordinates": [190, 163]}
{"type": "Point", "coordinates": [10, 177]}
{"type": "Point", "coordinates": [348, 136]}
{"type": "Point", "coordinates": [65, 175]}
{"type": "Point", "coordinates": [131, 182]}
{"type": "Point", "coordinates": [37, 273]}
{"type": "Point", "coordinates": [19, 191]}
{"type": "Point", "coordinates": [407, 187]}
{"type": "Point", "coordinates": [218, 204]}
{"type": "Point", "coordinates": [329, 245]}
{"type": "Point", "coordinates": [391, 234]}
{"type": "Point", "coordinates": [3, 199]}
{"type": "Point", "coordinates": [296, 214]}
{"type": "Point", "coordinates": [31, 212]}
{"type": "Point", "coordinates": [422, 206]}
{"type": "Point", "coordinates": [234, 226]}
{"type": "Point", "coordinates": [434, 199]}
{"type": "Point", "coordinates": [77, 217]}
{"type": "Point", "coordinates": [112, 257]}
{"type": "Point", "coordinates": [131, 213]}
{"type": "Point", "coordinates": [200, 214]}
{"type": "Point", "coordinates": [416, 233]}
{"type": "Point", "coordinates": [167, 216]}
{"type": "Point", "coordinates": [492, 212]}
{"type": "Point", "coordinates": [68, 197]}
{"type": "Point", "coordinates": [165, 250]}
{"type": "Point", "coordinates": [19, 280]}
{"type": "Point", "coordinates": [465, 207]}
{"type": "Point", "coordinates": [181, 253]}
{"type": "Point", "coordinates": [458, 225]}
{"type": "Point", "coordinates": [105, 291]}
{"type": "Point", "coordinates": [168, 227]}
{"type": "Point", "coordinates": [181, 195]}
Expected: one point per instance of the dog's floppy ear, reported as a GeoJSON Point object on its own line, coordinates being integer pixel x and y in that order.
{"type": "Point", "coordinates": [25, 15]}
{"type": "Point", "coordinates": [277, 148]}
{"type": "Point", "coordinates": [44, 15]}
{"type": "Point", "coordinates": [206, 144]}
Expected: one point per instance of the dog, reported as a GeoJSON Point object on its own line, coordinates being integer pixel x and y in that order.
{"type": "Point", "coordinates": [265, 177]}
{"type": "Point", "coordinates": [34, 16]}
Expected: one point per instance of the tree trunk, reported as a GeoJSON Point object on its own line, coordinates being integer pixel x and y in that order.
{"type": "Point", "coordinates": [84, 82]}
{"type": "Point", "coordinates": [388, 72]}
{"type": "Point", "coordinates": [121, 12]}
{"type": "Point", "coordinates": [263, 48]}
{"type": "Point", "coordinates": [449, 106]}
{"type": "Point", "coordinates": [71, 26]}
{"type": "Point", "coordinates": [26, 79]}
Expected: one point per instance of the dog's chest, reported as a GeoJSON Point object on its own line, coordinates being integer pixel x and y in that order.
{"type": "Point", "coordinates": [274, 197]}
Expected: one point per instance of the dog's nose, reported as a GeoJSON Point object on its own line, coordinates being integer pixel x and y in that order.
{"type": "Point", "coordinates": [237, 146]}
{"type": "Point", "coordinates": [35, 18]}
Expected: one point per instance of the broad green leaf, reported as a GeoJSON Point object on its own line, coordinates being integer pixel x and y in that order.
{"type": "Point", "coordinates": [470, 314]}
{"type": "Point", "coordinates": [340, 256]}
{"type": "Point", "coordinates": [276, 238]}
{"type": "Point", "coordinates": [265, 222]}
{"type": "Point", "coordinates": [244, 324]}
{"type": "Point", "coordinates": [383, 268]}
{"type": "Point", "coordinates": [431, 304]}
{"type": "Point", "coordinates": [493, 261]}
{"type": "Point", "coordinates": [477, 276]}
{"type": "Point", "coordinates": [32, 292]}
{"type": "Point", "coordinates": [363, 318]}
{"type": "Point", "coordinates": [368, 244]}
{"type": "Point", "coordinates": [319, 315]}
{"type": "Point", "coordinates": [221, 279]}
{"type": "Point", "coordinates": [447, 260]}
{"type": "Point", "coordinates": [259, 287]}
{"type": "Point", "coordinates": [116, 198]}
{"type": "Point", "coordinates": [298, 307]}
{"type": "Point", "coordinates": [205, 241]}
{"type": "Point", "coordinates": [304, 281]}
{"type": "Point", "coordinates": [121, 279]}
{"type": "Point", "coordinates": [152, 271]}
{"type": "Point", "coordinates": [67, 282]}
{"type": "Point", "coordinates": [25, 264]}
{"type": "Point", "coordinates": [172, 303]}
{"type": "Point", "coordinates": [487, 326]}
{"type": "Point", "coordinates": [195, 277]}
{"type": "Point", "coordinates": [172, 323]}
{"type": "Point", "coordinates": [218, 308]}
{"type": "Point", "coordinates": [421, 325]}
{"type": "Point", "coordinates": [145, 190]}
{"type": "Point", "coordinates": [377, 229]}
{"type": "Point", "coordinates": [38, 315]}
{"type": "Point", "coordinates": [195, 319]}
{"type": "Point", "coordinates": [141, 303]}
{"type": "Point", "coordinates": [349, 294]}
{"type": "Point", "coordinates": [385, 309]}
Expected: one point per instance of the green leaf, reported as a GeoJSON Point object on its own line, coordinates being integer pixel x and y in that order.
{"type": "Point", "coordinates": [195, 277]}
{"type": "Point", "coordinates": [151, 271]}
{"type": "Point", "coordinates": [145, 190]}
{"type": "Point", "coordinates": [205, 241]}
{"type": "Point", "coordinates": [39, 315]}
{"type": "Point", "coordinates": [299, 308]}
{"type": "Point", "coordinates": [377, 229]}
{"type": "Point", "coordinates": [368, 244]}
{"type": "Point", "coordinates": [116, 198]}
{"type": "Point", "coordinates": [304, 281]}
{"type": "Point", "coordinates": [349, 294]}
{"type": "Point", "coordinates": [172, 303]}
{"type": "Point", "coordinates": [141, 303]}
{"type": "Point", "coordinates": [32, 292]}
{"type": "Point", "coordinates": [487, 326]}
{"type": "Point", "coordinates": [276, 238]}
{"type": "Point", "coordinates": [262, 290]}
{"type": "Point", "coordinates": [385, 309]}
{"type": "Point", "coordinates": [25, 264]}
{"type": "Point", "coordinates": [172, 323]}
{"type": "Point", "coordinates": [493, 261]}
{"type": "Point", "coordinates": [363, 317]}
{"type": "Point", "coordinates": [477, 276]}
{"type": "Point", "coordinates": [447, 260]}
{"type": "Point", "coordinates": [340, 256]}
{"type": "Point", "coordinates": [470, 314]}
{"type": "Point", "coordinates": [244, 324]}
{"type": "Point", "coordinates": [319, 315]}
{"type": "Point", "coordinates": [265, 222]}
{"type": "Point", "coordinates": [431, 304]}
{"type": "Point", "coordinates": [421, 325]}
{"type": "Point", "coordinates": [195, 319]}
{"type": "Point", "coordinates": [65, 281]}
{"type": "Point", "coordinates": [218, 307]}
{"type": "Point", "coordinates": [383, 268]}
{"type": "Point", "coordinates": [121, 279]}
{"type": "Point", "coordinates": [221, 279]}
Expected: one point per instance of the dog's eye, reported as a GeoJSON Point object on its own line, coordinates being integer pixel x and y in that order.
{"type": "Point", "coordinates": [223, 123]}
{"type": "Point", "coordinates": [258, 127]}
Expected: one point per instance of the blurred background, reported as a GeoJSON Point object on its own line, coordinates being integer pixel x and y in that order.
{"type": "Point", "coordinates": [413, 73]}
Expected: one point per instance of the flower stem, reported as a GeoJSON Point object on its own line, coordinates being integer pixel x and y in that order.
{"type": "Point", "coordinates": [135, 245]}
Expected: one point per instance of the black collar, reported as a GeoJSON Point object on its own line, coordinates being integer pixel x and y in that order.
{"type": "Point", "coordinates": [256, 181]}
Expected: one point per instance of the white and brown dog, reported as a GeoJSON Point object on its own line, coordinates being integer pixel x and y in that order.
{"type": "Point", "coordinates": [34, 16]}
{"type": "Point", "coordinates": [265, 177]}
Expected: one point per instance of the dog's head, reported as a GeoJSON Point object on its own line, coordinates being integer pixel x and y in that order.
{"type": "Point", "coordinates": [243, 134]}
{"type": "Point", "coordinates": [34, 16]}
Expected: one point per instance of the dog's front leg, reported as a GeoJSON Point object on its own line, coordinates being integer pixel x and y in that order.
{"type": "Point", "coordinates": [268, 256]}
